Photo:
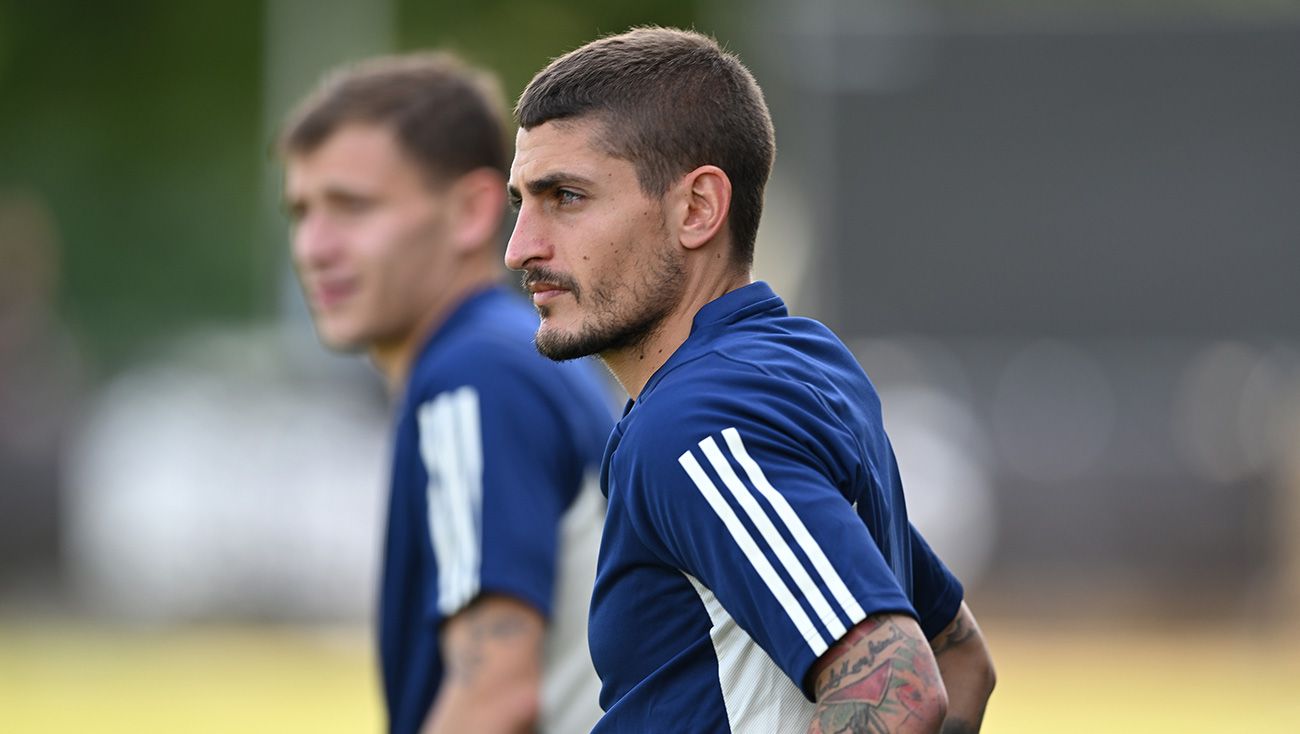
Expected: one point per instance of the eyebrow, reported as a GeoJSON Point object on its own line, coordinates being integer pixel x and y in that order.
{"type": "Point", "coordinates": [550, 182]}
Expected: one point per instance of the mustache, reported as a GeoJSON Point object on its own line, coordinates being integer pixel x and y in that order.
{"type": "Point", "coordinates": [542, 275]}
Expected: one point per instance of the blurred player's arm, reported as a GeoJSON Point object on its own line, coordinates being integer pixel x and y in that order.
{"type": "Point", "coordinates": [967, 670]}
{"type": "Point", "coordinates": [881, 677]}
{"type": "Point", "coordinates": [492, 652]}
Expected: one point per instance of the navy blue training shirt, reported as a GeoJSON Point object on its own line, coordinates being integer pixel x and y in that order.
{"type": "Point", "coordinates": [493, 490]}
{"type": "Point", "coordinates": [755, 515]}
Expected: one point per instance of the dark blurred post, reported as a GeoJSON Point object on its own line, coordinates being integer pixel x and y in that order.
{"type": "Point", "coordinates": [38, 394]}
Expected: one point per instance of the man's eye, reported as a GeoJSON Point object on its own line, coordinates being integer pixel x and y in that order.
{"type": "Point", "coordinates": [565, 197]}
{"type": "Point", "coordinates": [355, 205]}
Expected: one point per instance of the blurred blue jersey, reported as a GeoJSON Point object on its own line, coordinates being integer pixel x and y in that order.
{"type": "Point", "coordinates": [494, 490]}
{"type": "Point", "coordinates": [755, 515]}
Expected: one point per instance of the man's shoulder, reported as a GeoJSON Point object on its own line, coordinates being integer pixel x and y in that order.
{"type": "Point", "coordinates": [492, 354]}
{"type": "Point", "coordinates": [474, 358]}
{"type": "Point", "coordinates": [748, 367]}
{"type": "Point", "coordinates": [802, 384]}
{"type": "Point", "coordinates": [711, 392]}
{"type": "Point", "coordinates": [491, 341]}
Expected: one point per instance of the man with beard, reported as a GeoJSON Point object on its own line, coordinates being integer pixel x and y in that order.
{"type": "Point", "coordinates": [395, 181]}
{"type": "Point", "coordinates": [758, 571]}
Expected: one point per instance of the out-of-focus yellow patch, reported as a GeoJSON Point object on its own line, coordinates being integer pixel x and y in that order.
{"type": "Point", "coordinates": [72, 678]}
{"type": "Point", "coordinates": [1154, 681]}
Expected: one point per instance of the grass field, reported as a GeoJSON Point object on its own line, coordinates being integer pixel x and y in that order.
{"type": "Point", "coordinates": [70, 678]}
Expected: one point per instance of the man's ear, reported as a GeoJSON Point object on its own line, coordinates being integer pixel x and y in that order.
{"type": "Point", "coordinates": [476, 201]}
{"type": "Point", "coordinates": [705, 204]}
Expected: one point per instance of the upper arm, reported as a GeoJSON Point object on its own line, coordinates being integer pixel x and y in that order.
{"type": "Point", "coordinates": [936, 592]}
{"type": "Point", "coordinates": [492, 667]}
{"type": "Point", "coordinates": [737, 496]}
{"type": "Point", "coordinates": [501, 470]}
{"type": "Point", "coordinates": [880, 677]}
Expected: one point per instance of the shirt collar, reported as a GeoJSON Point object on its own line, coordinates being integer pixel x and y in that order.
{"type": "Point", "coordinates": [723, 311]}
{"type": "Point", "coordinates": [733, 306]}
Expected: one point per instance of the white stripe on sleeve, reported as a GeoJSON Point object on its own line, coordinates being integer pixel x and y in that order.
{"type": "Point", "coordinates": [451, 446]}
{"type": "Point", "coordinates": [793, 566]}
{"type": "Point", "coordinates": [829, 575]}
{"type": "Point", "coordinates": [751, 550]}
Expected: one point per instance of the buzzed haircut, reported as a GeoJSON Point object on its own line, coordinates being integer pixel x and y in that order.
{"type": "Point", "coordinates": [447, 116]}
{"type": "Point", "coordinates": [668, 101]}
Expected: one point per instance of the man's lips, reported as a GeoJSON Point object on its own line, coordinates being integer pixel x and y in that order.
{"type": "Point", "coordinates": [329, 294]}
{"type": "Point", "coordinates": [544, 292]}
{"type": "Point", "coordinates": [547, 286]}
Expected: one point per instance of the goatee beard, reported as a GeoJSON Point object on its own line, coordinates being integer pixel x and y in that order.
{"type": "Point", "coordinates": [656, 295]}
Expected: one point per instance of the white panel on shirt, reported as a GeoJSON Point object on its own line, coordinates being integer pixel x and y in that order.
{"type": "Point", "coordinates": [451, 445]}
{"type": "Point", "coordinates": [570, 686]}
{"type": "Point", "coordinates": [758, 695]}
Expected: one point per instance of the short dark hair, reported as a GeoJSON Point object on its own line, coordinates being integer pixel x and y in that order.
{"type": "Point", "coordinates": [448, 116]}
{"type": "Point", "coordinates": [668, 101]}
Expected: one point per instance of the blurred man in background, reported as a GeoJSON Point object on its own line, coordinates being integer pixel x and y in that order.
{"type": "Point", "coordinates": [395, 178]}
{"type": "Point", "coordinates": [758, 571]}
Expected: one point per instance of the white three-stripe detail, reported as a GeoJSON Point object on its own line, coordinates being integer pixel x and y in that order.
{"type": "Point", "coordinates": [774, 540]}
{"type": "Point", "coordinates": [829, 575]}
{"type": "Point", "coordinates": [452, 450]}
{"type": "Point", "coordinates": [751, 550]}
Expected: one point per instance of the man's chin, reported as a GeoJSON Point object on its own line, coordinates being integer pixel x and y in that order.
{"type": "Point", "coordinates": [562, 346]}
{"type": "Point", "coordinates": [336, 341]}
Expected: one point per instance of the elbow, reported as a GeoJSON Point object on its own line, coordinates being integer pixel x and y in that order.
{"type": "Point", "coordinates": [519, 710]}
{"type": "Point", "coordinates": [937, 708]}
{"type": "Point", "coordinates": [927, 712]}
{"type": "Point", "coordinates": [988, 676]}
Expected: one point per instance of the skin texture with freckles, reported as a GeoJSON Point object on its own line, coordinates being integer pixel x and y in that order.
{"type": "Point", "coordinates": [614, 271]}
{"type": "Point", "coordinates": [616, 293]}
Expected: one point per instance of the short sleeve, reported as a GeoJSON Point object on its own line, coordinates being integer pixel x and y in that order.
{"type": "Point", "coordinates": [936, 593]}
{"type": "Point", "coordinates": [744, 496]}
{"type": "Point", "coordinates": [501, 470]}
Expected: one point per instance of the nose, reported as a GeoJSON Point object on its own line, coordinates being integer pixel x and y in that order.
{"type": "Point", "coordinates": [315, 243]}
{"type": "Point", "coordinates": [526, 242]}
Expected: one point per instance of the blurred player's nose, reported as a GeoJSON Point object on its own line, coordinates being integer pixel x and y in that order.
{"type": "Point", "coordinates": [315, 243]}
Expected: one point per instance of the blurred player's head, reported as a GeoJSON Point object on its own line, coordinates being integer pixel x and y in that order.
{"type": "Point", "coordinates": [634, 153]}
{"type": "Point", "coordinates": [394, 179]}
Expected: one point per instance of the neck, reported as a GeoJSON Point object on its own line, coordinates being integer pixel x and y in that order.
{"type": "Point", "coordinates": [634, 365]}
{"type": "Point", "coordinates": [394, 358]}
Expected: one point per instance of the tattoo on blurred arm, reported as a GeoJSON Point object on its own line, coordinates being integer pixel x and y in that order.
{"type": "Point", "coordinates": [485, 627]}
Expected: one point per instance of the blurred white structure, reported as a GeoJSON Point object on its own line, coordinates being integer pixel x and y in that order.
{"type": "Point", "coordinates": [223, 482]}
{"type": "Point", "coordinates": [941, 447]}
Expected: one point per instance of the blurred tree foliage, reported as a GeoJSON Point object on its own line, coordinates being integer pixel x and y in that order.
{"type": "Point", "coordinates": [139, 122]}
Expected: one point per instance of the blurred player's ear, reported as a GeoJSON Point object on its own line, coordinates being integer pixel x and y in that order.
{"type": "Point", "coordinates": [702, 203]}
{"type": "Point", "coordinates": [477, 202]}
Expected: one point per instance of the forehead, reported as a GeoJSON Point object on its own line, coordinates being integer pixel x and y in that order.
{"type": "Point", "coordinates": [562, 145]}
{"type": "Point", "coordinates": [355, 152]}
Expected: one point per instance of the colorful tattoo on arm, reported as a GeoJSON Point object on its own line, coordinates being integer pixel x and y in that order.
{"type": "Point", "coordinates": [881, 680]}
